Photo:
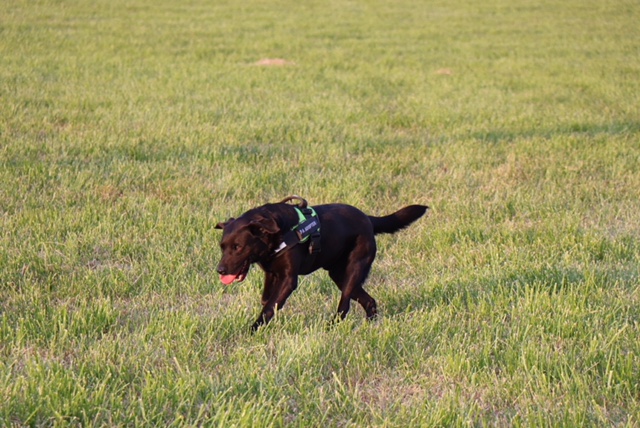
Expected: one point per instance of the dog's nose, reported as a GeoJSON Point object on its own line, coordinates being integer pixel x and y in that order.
{"type": "Point", "coordinates": [222, 270]}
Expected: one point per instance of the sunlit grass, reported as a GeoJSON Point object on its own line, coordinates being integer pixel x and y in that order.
{"type": "Point", "coordinates": [128, 130]}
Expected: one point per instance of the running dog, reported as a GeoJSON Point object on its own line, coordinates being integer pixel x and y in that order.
{"type": "Point", "coordinates": [288, 240]}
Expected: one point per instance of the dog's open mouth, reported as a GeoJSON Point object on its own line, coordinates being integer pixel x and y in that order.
{"type": "Point", "coordinates": [239, 277]}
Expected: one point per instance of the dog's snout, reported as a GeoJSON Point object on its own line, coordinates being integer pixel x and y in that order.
{"type": "Point", "coordinates": [222, 270]}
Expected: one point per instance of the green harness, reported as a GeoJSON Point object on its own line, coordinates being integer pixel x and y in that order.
{"type": "Point", "coordinates": [307, 229]}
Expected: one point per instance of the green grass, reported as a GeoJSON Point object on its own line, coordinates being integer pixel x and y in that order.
{"type": "Point", "coordinates": [129, 129]}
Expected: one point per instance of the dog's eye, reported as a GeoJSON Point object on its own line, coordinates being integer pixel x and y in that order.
{"type": "Point", "coordinates": [236, 247]}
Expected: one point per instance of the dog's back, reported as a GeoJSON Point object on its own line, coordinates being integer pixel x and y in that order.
{"type": "Point", "coordinates": [344, 227]}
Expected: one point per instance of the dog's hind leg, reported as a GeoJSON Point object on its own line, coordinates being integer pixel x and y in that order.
{"type": "Point", "coordinates": [367, 302]}
{"type": "Point", "coordinates": [350, 276]}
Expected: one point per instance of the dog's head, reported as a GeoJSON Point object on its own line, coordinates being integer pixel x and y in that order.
{"type": "Point", "coordinates": [245, 240]}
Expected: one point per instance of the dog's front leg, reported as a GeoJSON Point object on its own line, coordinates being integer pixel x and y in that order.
{"type": "Point", "coordinates": [275, 294]}
{"type": "Point", "coordinates": [269, 285]}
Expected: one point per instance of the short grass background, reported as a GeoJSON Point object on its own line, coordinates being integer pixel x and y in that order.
{"type": "Point", "coordinates": [129, 128]}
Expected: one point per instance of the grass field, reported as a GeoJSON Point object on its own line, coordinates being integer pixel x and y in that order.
{"type": "Point", "coordinates": [128, 129]}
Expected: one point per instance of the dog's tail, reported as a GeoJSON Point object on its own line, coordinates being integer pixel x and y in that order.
{"type": "Point", "coordinates": [398, 220]}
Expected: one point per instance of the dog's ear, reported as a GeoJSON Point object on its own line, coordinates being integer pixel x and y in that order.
{"type": "Point", "coordinates": [223, 224]}
{"type": "Point", "coordinates": [264, 225]}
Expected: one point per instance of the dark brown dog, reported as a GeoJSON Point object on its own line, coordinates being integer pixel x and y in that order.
{"type": "Point", "coordinates": [347, 251]}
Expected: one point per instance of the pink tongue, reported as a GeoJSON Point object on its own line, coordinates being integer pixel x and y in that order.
{"type": "Point", "coordinates": [227, 279]}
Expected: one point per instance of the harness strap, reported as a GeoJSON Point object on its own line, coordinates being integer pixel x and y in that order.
{"type": "Point", "coordinates": [308, 228]}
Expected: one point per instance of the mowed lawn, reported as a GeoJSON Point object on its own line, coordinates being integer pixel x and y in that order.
{"type": "Point", "coordinates": [128, 129]}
